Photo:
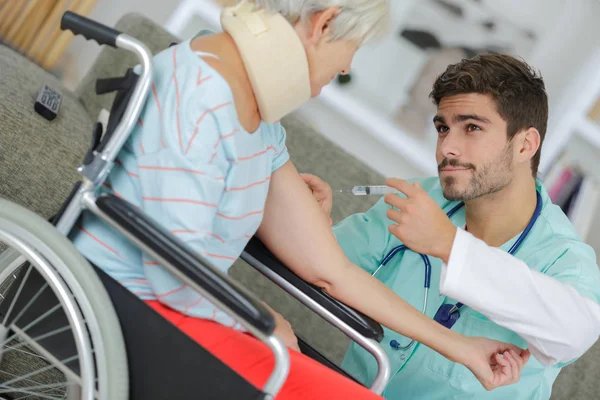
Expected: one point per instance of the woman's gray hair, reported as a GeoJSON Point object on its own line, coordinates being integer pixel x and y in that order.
{"type": "Point", "coordinates": [357, 20]}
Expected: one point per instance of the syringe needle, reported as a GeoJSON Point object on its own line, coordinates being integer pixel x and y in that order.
{"type": "Point", "coordinates": [377, 190]}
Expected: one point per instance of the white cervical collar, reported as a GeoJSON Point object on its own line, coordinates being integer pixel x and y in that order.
{"type": "Point", "coordinates": [274, 58]}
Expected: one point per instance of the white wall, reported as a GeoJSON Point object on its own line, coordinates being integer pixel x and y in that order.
{"type": "Point", "coordinates": [567, 44]}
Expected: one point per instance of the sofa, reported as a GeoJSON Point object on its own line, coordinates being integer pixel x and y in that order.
{"type": "Point", "coordinates": [38, 160]}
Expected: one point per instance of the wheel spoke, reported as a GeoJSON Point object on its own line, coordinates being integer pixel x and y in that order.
{"type": "Point", "coordinates": [37, 339]}
{"type": "Point", "coordinates": [16, 296]}
{"type": "Point", "coordinates": [33, 323]}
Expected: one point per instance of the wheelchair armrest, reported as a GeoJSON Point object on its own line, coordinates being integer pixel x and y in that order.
{"type": "Point", "coordinates": [176, 253]}
{"type": "Point", "coordinates": [364, 325]}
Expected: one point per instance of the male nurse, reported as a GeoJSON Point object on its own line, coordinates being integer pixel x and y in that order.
{"type": "Point", "coordinates": [507, 265]}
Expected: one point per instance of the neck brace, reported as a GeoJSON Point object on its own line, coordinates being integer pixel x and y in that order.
{"type": "Point", "coordinates": [273, 56]}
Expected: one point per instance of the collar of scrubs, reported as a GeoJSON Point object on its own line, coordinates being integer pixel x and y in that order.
{"type": "Point", "coordinates": [459, 218]}
{"type": "Point", "coordinates": [448, 314]}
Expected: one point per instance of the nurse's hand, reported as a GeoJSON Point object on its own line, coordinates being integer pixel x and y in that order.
{"type": "Point", "coordinates": [420, 223]}
{"type": "Point", "coordinates": [321, 192]}
{"type": "Point", "coordinates": [495, 363]}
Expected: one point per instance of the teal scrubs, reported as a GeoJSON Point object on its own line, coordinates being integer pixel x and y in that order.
{"type": "Point", "coordinates": [552, 247]}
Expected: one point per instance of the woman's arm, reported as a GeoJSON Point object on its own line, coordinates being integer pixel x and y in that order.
{"type": "Point", "coordinates": [297, 231]}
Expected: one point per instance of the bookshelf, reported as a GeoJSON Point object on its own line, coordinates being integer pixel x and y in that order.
{"type": "Point", "coordinates": [575, 174]}
{"type": "Point", "coordinates": [574, 142]}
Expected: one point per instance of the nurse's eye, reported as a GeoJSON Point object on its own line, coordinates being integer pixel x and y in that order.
{"type": "Point", "coordinates": [442, 129]}
{"type": "Point", "coordinates": [472, 127]}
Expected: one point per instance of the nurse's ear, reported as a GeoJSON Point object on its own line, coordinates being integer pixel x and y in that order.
{"type": "Point", "coordinates": [525, 145]}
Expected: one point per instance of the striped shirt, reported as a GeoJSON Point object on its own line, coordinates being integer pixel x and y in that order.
{"type": "Point", "coordinates": [191, 166]}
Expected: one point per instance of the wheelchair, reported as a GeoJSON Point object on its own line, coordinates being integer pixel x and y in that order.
{"type": "Point", "coordinates": [69, 331]}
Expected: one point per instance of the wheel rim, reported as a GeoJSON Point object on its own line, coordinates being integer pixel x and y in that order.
{"type": "Point", "coordinates": [20, 341]}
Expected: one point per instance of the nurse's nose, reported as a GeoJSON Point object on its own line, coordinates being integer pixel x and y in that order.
{"type": "Point", "coordinates": [450, 145]}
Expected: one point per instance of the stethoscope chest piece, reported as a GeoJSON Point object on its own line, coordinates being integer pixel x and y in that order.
{"type": "Point", "coordinates": [447, 315]}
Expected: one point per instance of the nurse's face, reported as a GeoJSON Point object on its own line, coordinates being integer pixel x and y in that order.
{"type": "Point", "coordinates": [473, 153]}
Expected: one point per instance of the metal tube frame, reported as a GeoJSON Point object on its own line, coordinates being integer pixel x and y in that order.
{"type": "Point", "coordinates": [281, 369]}
{"type": "Point", "coordinates": [373, 347]}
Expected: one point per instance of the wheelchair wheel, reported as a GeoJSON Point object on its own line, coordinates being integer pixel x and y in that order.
{"type": "Point", "coordinates": [60, 337]}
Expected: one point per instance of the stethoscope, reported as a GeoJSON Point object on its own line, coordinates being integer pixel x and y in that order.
{"type": "Point", "coordinates": [448, 314]}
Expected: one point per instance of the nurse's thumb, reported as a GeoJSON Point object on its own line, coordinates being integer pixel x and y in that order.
{"type": "Point", "coordinates": [525, 355]}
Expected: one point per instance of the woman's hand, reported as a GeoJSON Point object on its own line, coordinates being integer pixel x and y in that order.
{"type": "Point", "coordinates": [493, 363]}
{"type": "Point", "coordinates": [283, 330]}
{"type": "Point", "coordinates": [321, 192]}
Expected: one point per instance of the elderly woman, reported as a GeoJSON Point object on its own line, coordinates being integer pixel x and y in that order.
{"type": "Point", "coordinates": [208, 161]}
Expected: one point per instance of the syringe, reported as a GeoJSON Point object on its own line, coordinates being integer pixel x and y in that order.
{"type": "Point", "coordinates": [377, 190]}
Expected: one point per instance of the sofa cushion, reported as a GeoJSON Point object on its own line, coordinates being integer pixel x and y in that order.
{"type": "Point", "coordinates": [38, 158]}
{"type": "Point", "coordinates": [113, 62]}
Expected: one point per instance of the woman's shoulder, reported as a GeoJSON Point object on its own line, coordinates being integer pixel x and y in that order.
{"type": "Point", "coordinates": [192, 71]}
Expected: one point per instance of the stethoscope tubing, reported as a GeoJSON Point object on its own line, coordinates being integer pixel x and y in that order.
{"type": "Point", "coordinates": [427, 263]}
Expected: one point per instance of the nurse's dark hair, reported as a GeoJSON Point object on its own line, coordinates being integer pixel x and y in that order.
{"type": "Point", "coordinates": [517, 89]}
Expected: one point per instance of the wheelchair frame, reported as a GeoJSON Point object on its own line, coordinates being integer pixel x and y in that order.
{"type": "Point", "coordinates": [191, 269]}
{"type": "Point", "coordinates": [95, 173]}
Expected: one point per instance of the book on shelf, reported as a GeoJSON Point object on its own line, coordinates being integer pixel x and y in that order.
{"type": "Point", "coordinates": [550, 178]}
{"type": "Point", "coordinates": [584, 207]}
{"type": "Point", "coordinates": [565, 188]}
{"type": "Point", "coordinates": [575, 192]}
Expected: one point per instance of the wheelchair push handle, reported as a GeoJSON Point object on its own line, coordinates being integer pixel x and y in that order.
{"type": "Point", "coordinates": [89, 29]}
